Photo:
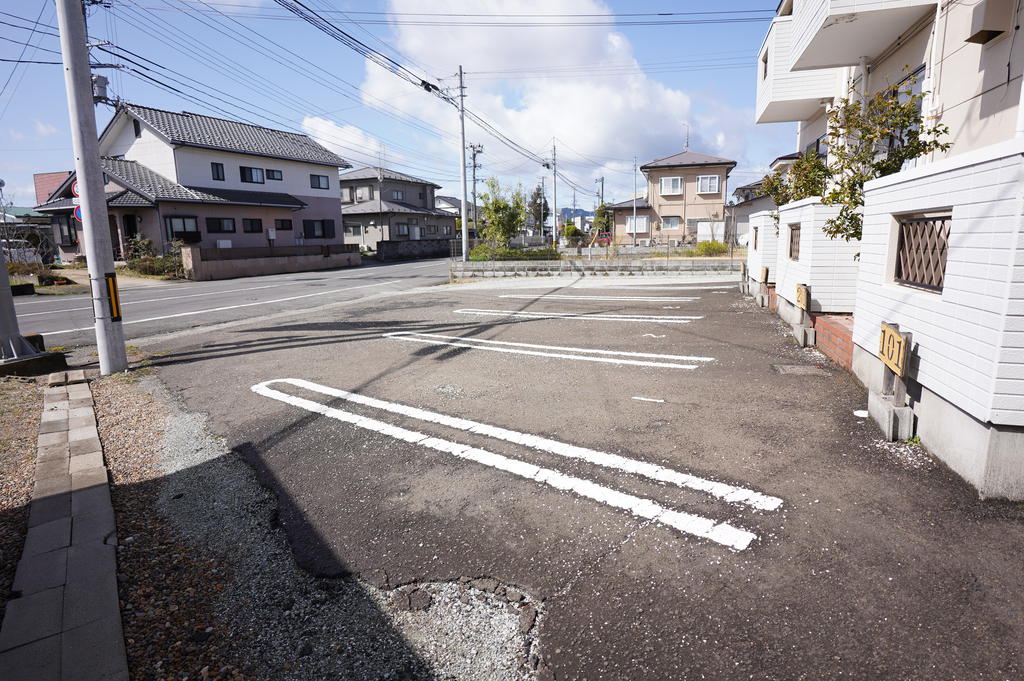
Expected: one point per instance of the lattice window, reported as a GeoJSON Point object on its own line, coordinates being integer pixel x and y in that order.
{"type": "Point", "coordinates": [794, 242]}
{"type": "Point", "coordinates": [921, 254]}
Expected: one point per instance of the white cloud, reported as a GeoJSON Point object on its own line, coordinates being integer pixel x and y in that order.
{"type": "Point", "coordinates": [347, 141]}
{"type": "Point", "coordinates": [44, 129]}
{"type": "Point", "coordinates": [601, 122]}
{"type": "Point", "coordinates": [15, 134]}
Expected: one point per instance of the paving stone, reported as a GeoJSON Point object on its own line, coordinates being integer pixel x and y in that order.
{"type": "Point", "coordinates": [50, 452]}
{"type": "Point", "coordinates": [49, 486]}
{"type": "Point", "coordinates": [76, 376]}
{"type": "Point", "coordinates": [53, 438]}
{"type": "Point", "coordinates": [31, 618]}
{"type": "Point", "coordinates": [56, 405]}
{"type": "Point", "coordinates": [41, 571]}
{"type": "Point", "coordinates": [55, 415]}
{"type": "Point", "coordinates": [59, 378]}
{"type": "Point", "coordinates": [48, 509]}
{"type": "Point", "coordinates": [87, 433]}
{"type": "Point", "coordinates": [92, 527]}
{"type": "Point", "coordinates": [79, 391]}
{"type": "Point", "coordinates": [55, 391]}
{"type": "Point", "coordinates": [90, 592]}
{"type": "Point", "coordinates": [84, 462]}
{"type": "Point", "coordinates": [54, 426]}
{"type": "Point", "coordinates": [80, 402]}
{"type": "Point", "coordinates": [85, 446]}
{"type": "Point", "coordinates": [81, 411]}
{"type": "Point", "coordinates": [95, 652]}
{"type": "Point", "coordinates": [90, 500]}
{"type": "Point", "coordinates": [47, 537]}
{"type": "Point", "coordinates": [77, 422]}
{"type": "Point", "coordinates": [36, 661]}
{"type": "Point", "coordinates": [90, 477]}
{"type": "Point", "coordinates": [54, 399]}
{"type": "Point", "coordinates": [56, 466]}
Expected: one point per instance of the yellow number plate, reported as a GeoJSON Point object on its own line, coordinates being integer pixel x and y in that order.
{"type": "Point", "coordinates": [803, 297]}
{"type": "Point", "coordinates": [764, 275]}
{"type": "Point", "coordinates": [892, 349]}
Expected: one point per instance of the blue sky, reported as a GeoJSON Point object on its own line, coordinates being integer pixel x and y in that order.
{"type": "Point", "coordinates": [604, 92]}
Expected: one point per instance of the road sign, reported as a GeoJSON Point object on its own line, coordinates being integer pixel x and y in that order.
{"type": "Point", "coordinates": [76, 201]}
{"type": "Point", "coordinates": [803, 297]}
{"type": "Point", "coordinates": [892, 349]}
{"type": "Point", "coordinates": [78, 213]}
{"type": "Point", "coordinates": [74, 188]}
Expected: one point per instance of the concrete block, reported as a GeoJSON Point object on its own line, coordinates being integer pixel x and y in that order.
{"type": "Point", "coordinates": [55, 467]}
{"type": "Point", "coordinates": [90, 593]}
{"type": "Point", "coordinates": [48, 509]}
{"type": "Point", "coordinates": [79, 391]}
{"type": "Point", "coordinates": [53, 438]}
{"type": "Point", "coordinates": [95, 652]}
{"type": "Point", "coordinates": [56, 390]}
{"type": "Point", "coordinates": [56, 425]}
{"type": "Point", "coordinates": [896, 422]}
{"type": "Point", "coordinates": [55, 398]}
{"type": "Point", "coordinates": [90, 477]}
{"type": "Point", "coordinates": [41, 571]}
{"type": "Point", "coordinates": [75, 412]}
{"type": "Point", "coordinates": [49, 452]}
{"type": "Point", "coordinates": [93, 527]}
{"type": "Point", "coordinates": [85, 446]}
{"type": "Point", "coordinates": [36, 661]}
{"type": "Point", "coordinates": [56, 379]}
{"type": "Point", "coordinates": [86, 433]}
{"type": "Point", "coordinates": [80, 402]}
{"type": "Point", "coordinates": [50, 486]}
{"type": "Point", "coordinates": [81, 422]}
{"type": "Point", "coordinates": [47, 537]}
{"type": "Point", "coordinates": [90, 500]}
{"type": "Point", "coordinates": [56, 405]}
{"type": "Point", "coordinates": [31, 618]}
{"type": "Point", "coordinates": [76, 376]}
{"type": "Point", "coordinates": [84, 462]}
{"type": "Point", "coordinates": [53, 413]}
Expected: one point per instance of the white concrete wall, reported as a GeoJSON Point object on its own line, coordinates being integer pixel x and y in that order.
{"type": "Point", "coordinates": [767, 243]}
{"type": "Point", "coordinates": [150, 150]}
{"type": "Point", "coordinates": [969, 339]}
{"type": "Point", "coordinates": [194, 171]}
{"type": "Point", "coordinates": [828, 266]}
{"type": "Point", "coordinates": [786, 95]}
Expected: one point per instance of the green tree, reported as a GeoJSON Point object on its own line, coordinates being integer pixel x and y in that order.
{"type": "Point", "coordinates": [539, 210]}
{"type": "Point", "coordinates": [808, 176]}
{"type": "Point", "coordinates": [503, 212]}
{"type": "Point", "coordinates": [602, 221]}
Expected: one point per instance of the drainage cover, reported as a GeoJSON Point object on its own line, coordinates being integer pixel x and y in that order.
{"type": "Point", "coordinates": [800, 369]}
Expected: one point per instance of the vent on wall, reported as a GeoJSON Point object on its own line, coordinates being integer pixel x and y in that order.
{"type": "Point", "coordinates": [990, 20]}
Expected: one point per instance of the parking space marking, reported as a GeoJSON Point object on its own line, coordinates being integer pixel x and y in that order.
{"type": "Point", "coordinates": [648, 399]}
{"type": "Point", "coordinates": [561, 352]}
{"type": "Point", "coordinates": [639, 299]}
{"type": "Point", "coordinates": [729, 493]}
{"type": "Point", "coordinates": [659, 319]}
{"type": "Point", "coordinates": [720, 532]}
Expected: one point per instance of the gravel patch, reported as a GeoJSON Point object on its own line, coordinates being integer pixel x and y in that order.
{"type": "Point", "coordinates": [903, 454]}
{"type": "Point", "coordinates": [216, 586]}
{"type": "Point", "coordinates": [21, 401]}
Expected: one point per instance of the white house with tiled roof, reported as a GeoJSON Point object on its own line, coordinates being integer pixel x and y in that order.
{"type": "Point", "coordinates": [207, 181]}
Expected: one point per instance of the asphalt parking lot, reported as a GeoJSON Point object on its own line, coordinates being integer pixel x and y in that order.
{"type": "Point", "coordinates": [688, 493]}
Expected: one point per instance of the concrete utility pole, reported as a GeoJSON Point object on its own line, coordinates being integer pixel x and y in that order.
{"type": "Point", "coordinates": [543, 200]}
{"type": "Point", "coordinates": [634, 200]}
{"type": "Point", "coordinates": [600, 195]}
{"type": "Point", "coordinates": [462, 165]}
{"type": "Point", "coordinates": [96, 233]}
{"type": "Point", "coordinates": [476, 149]}
{"type": "Point", "coordinates": [554, 190]}
{"type": "Point", "coordinates": [12, 344]}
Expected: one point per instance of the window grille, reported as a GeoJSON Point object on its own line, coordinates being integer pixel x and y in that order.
{"type": "Point", "coordinates": [922, 250]}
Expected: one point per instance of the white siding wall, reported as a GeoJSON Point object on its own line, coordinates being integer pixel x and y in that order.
{"type": "Point", "coordinates": [828, 266]}
{"type": "Point", "coordinates": [767, 243]}
{"type": "Point", "coordinates": [149, 149]}
{"type": "Point", "coordinates": [194, 171]}
{"type": "Point", "coordinates": [970, 337]}
{"type": "Point", "coordinates": [787, 95]}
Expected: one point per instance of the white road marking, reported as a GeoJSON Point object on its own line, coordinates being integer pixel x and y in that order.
{"type": "Point", "coordinates": [681, 287]}
{"type": "Point", "coordinates": [419, 267]}
{"type": "Point", "coordinates": [157, 300]}
{"type": "Point", "coordinates": [652, 335]}
{"type": "Point", "coordinates": [640, 299]}
{"type": "Point", "coordinates": [721, 490]}
{"type": "Point", "coordinates": [611, 356]}
{"type": "Point", "coordinates": [661, 319]}
{"type": "Point", "coordinates": [230, 307]}
{"type": "Point", "coordinates": [648, 399]}
{"type": "Point", "coordinates": [698, 526]}
{"type": "Point", "coordinates": [670, 307]}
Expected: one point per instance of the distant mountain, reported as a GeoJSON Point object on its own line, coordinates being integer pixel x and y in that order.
{"type": "Point", "coordinates": [567, 213]}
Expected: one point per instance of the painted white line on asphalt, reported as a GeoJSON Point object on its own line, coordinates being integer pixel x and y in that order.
{"type": "Point", "coordinates": [653, 335]}
{"type": "Point", "coordinates": [639, 299]}
{"type": "Point", "coordinates": [660, 319]}
{"type": "Point", "coordinates": [687, 523]}
{"type": "Point", "coordinates": [433, 264]}
{"type": "Point", "coordinates": [612, 356]}
{"type": "Point", "coordinates": [681, 287]}
{"type": "Point", "coordinates": [721, 490]}
{"type": "Point", "coordinates": [231, 307]}
{"type": "Point", "coordinates": [648, 399]}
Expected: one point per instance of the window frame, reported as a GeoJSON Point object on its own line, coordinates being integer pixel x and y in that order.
{"type": "Point", "coordinates": [897, 267]}
{"type": "Point", "coordinates": [252, 225]}
{"type": "Point", "coordinates": [402, 229]}
{"type": "Point", "coordinates": [678, 222]}
{"type": "Point", "coordinates": [794, 230]}
{"type": "Point", "coordinates": [279, 174]}
{"type": "Point", "coordinates": [252, 175]}
{"type": "Point", "coordinates": [279, 224]}
{"type": "Point", "coordinates": [718, 184]}
{"type": "Point", "coordinates": [398, 195]}
{"type": "Point", "coordinates": [217, 171]}
{"type": "Point", "coordinates": [753, 242]}
{"type": "Point", "coordinates": [137, 128]}
{"type": "Point", "coordinates": [220, 230]}
{"type": "Point", "coordinates": [646, 222]}
{"type": "Point", "coordinates": [674, 178]}
{"type": "Point", "coordinates": [314, 181]}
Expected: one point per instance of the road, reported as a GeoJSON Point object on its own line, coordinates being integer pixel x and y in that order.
{"type": "Point", "coordinates": [67, 320]}
{"type": "Point", "coordinates": [687, 493]}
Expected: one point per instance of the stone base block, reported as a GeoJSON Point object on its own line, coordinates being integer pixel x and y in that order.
{"type": "Point", "coordinates": [43, 363]}
{"type": "Point", "coordinates": [805, 335]}
{"type": "Point", "coordinates": [896, 422]}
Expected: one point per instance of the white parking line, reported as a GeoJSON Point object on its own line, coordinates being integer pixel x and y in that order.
{"type": "Point", "coordinates": [648, 399]}
{"type": "Point", "coordinates": [639, 299]}
{"type": "Point", "coordinates": [610, 356]}
{"type": "Point", "coordinates": [661, 319]}
{"type": "Point", "coordinates": [230, 307]}
{"type": "Point", "coordinates": [698, 526]}
{"type": "Point", "coordinates": [721, 490]}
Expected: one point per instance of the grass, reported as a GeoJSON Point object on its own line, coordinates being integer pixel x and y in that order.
{"type": "Point", "coordinates": [61, 290]}
{"type": "Point", "coordinates": [913, 441]}
{"type": "Point", "coordinates": [133, 273]}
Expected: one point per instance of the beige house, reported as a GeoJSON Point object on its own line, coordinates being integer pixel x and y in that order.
{"type": "Point", "coordinates": [684, 202]}
{"type": "Point", "coordinates": [378, 204]}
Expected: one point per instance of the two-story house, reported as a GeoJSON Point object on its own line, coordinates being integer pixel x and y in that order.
{"type": "Point", "coordinates": [208, 181]}
{"type": "Point", "coordinates": [378, 204]}
{"type": "Point", "coordinates": [684, 202]}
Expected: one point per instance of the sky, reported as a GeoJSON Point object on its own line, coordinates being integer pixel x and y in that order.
{"type": "Point", "coordinates": [605, 82]}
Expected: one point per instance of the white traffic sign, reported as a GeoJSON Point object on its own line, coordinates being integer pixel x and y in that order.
{"type": "Point", "coordinates": [74, 188]}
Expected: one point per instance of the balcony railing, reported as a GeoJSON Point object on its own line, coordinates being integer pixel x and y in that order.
{"type": "Point", "coordinates": [782, 94]}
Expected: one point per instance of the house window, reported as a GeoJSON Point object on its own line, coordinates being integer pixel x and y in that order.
{"type": "Point", "coordinates": [254, 175]}
{"type": "Point", "coordinates": [274, 174]}
{"type": "Point", "coordinates": [753, 241]}
{"type": "Point", "coordinates": [431, 229]}
{"type": "Point", "coordinates": [637, 227]}
{"type": "Point", "coordinates": [319, 182]}
{"type": "Point", "coordinates": [252, 225]}
{"type": "Point", "coordinates": [354, 230]}
{"type": "Point", "coordinates": [447, 229]}
{"type": "Point", "coordinates": [922, 250]}
{"type": "Point", "coordinates": [708, 184]}
{"type": "Point", "coordinates": [347, 194]}
{"type": "Point", "coordinates": [402, 230]}
{"type": "Point", "coordinates": [217, 171]}
{"type": "Point", "coordinates": [422, 196]}
{"type": "Point", "coordinates": [414, 221]}
{"type": "Point", "coordinates": [318, 229]}
{"type": "Point", "coordinates": [670, 223]}
{"type": "Point", "coordinates": [68, 231]}
{"type": "Point", "coordinates": [220, 225]}
{"type": "Point", "coordinates": [671, 185]}
{"type": "Point", "coordinates": [764, 65]}
{"type": "Point", "coordinates": [285, 225]}
{"type": "Point", "coordinates": [398, 195]}
{"type": "Point", "coordinates": [364, 193]}
{"type": "Point", "coordinates": [182, 228]}
{"type": "Point", "coordinates": [794, 242]}
{"type": "Point", "coordinates": [137, 127]}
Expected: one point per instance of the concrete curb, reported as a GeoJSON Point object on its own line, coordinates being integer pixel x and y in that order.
{"type": "Point", "coordinates": [65, 621]}
{"type": "Point", "coordinates": [545, 268]}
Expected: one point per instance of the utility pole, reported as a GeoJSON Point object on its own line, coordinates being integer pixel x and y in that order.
{"type": "Point", "coordinates": [543, 200]}
{"type": "Point", "coordinates": [554, 190]}
{"type": "Point", "coordinates": [96, 234]}
{"type": "Point", "coordinates": [12, 344]}
{"type": "Point", "coordinates": [476, 149]}
{"type": "Point", "coordinates": [600, 195]}
{"type": "Point", "coordinates": [574, 205]}
{"type": "Point", "coordinates": [634, 200]}
{"type": "Point", "coordinates": [462, 165]}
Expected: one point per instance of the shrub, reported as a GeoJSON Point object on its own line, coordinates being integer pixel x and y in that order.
{"type": "Point", "coordinates": [708, 248]}
{"type": "Point", "coordinates": [154, 266]}
{"type": "Point", "coordinates": [492, 251]}
{"type": "Point", "coordinates": [26, 269]}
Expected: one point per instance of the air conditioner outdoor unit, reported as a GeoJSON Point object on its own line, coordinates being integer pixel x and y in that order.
{"type": "Point", "coordinates": [673, 242]}
{"type": "Point", "coordinates": [644, 242]}
{"type": "Point", "coordinates": [223, 243]}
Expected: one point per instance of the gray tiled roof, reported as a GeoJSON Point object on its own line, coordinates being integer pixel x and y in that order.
{"type": "Point", "coordinates": [191, 129]}
{"type": "Point", "coordinates": [628, 203]}
{"type": "Point", "coordinates": [372, 173]}
{"type": "Point", "coordinates": [456, 202]}
{"type": "Point", "coordinates": [123, 198]}
{"type": "Point", "coordinates": [688, 158]}
{"type": "Point", "coordinates": [147, 181]}
{"type": "Point", "coordinates": [377, 206]}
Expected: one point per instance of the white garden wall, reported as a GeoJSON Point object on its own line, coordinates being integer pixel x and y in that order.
{"type": "Point", "coordinates": [766, 244]}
